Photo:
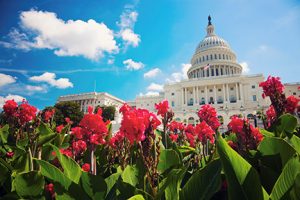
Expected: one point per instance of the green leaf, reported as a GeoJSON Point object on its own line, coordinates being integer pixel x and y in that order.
{"type": "Point", "coordinates": [286, 125]}
{"type": "Point", "coordinates": [137, 197]}
{"type": "Point", "coordinates": [94, 186]}
{"type": "Point", "coordinates": [4, 173]}
{"type": "Point", "coordinates": [295, 142]}
{"type": "Point", "coordinates": [22, 163]}
{"type": "Point", "coordinates": [130, 175]}
{"type": "Point", "coordinates": [287, 180]}
{"type": "Point", "coordinates": [276, 147]}
{"type": "Point", "coordinates": [111, 183]}
{"type": "Point", "coordinates": [204, 183]}
{"type": "Point", "coordinates": [266, 133]}
{"type": "Point", "coordinates": [243, 180]}
{"type": "Point", "coordinates": [45, 134]}
{"type": "Point", "coordinates": [4, 134]}
{"type": "Point", "coordinates": [71, 168]}
{"type": "Point", "coordinates": [167, 159]}
{"type": "Point", "coordinates": [29, 184]}
{"type": "Point", "coordinates": [53, 173]}
{"type": "Point", "coordinates": [173, 181]}
{"type": "Point", "coordinates": [22, 143]}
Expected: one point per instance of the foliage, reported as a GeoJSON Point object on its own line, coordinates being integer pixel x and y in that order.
{"type": "Point", "coordinates": [43, 157]}
{"type": "Point", "coordinates": [108, 112]}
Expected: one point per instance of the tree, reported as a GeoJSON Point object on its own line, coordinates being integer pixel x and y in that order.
{"type": "Point", "coordinates": [67, 109]}
{"type": "Point", "coordinates": [108, 112]}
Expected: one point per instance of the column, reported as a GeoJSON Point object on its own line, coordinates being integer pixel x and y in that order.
{"type": "Point", "coordinates": [236, 91]}
{"type": "Point", "coordinates": [194, 95]}
{"type": "Point", "coordinates": [224, 97]}
{"type": "Point", "coordinates": [206, 100]}
{"type": "Point", "coordinates": [227, 93]}
{"type": "Point", "coordinates": [182, 99]}
{"type": "Point", "coordinates": [241, 92]}
{"type": "Point", "coordinates": [215, 71]}
{"type": "Point", "coordinates": [215, 94]}
{"type": "Point", "coordinates": [186, 94]}
{"type": "Point", "coordinates": [197, 95]}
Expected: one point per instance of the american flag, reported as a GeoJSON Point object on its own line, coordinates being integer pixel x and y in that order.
{"type": "Point", "coordinates": [206, 67]}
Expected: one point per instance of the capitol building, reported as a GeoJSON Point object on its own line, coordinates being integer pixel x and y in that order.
{"type": "Point", "coordinates": [215, 77]}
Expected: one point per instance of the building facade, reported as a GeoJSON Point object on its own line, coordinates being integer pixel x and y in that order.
{"type": "Point", "coordinates": [95, 99]}
{"type": "Point", "coordinates": [215, 77]}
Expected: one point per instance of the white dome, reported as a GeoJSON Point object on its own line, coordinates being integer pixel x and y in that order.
{"type": "Point", "coordinates": [211, 41]}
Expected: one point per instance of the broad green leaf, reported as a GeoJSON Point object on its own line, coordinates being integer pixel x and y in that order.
{"type": "Point", "coordinates": [173, 181]}
{"type": "Point", "coordinates": [273, 146]}
{"type": "Point", "coordinates": [53, 173]}
{"type": "Point", "coordinates": [22, 143]}
{"type": "Point", "coordinates": [4, 134]}
{"type": "Point", "coordinates": [167, 159]}
{"type": "Point", "coordinates": [4, 173]}
{"type": "Point", "coordinates": [137, 197]}
{"type": "Point", "coordinates": [286, 125]}
{"type": "Point", "coordinates": [71, 168]}
{"type": "Point", "coordinates": [204, 183]}
{"type": "Point", "coordinates": [243, 180]}
{"type": "Point", "coordinates": [22, 163]}
{"type": "Point", "coordinates": [29, 184]}
{"type": "Point", "coordinates": [288, 178]}
{"type": "Point", "coordinates": [186, 149]}
{"type": "Point", "coordinates": [45, 134]}
{"type": "Point", "coordinates": [295, 142]}
{"type": "Point", "coordinates": [94, 186]}
{"type": "Point", "coordinates": [266, 133]}
{"type": "Point", "coordinates": [130, 175]}
{"type": "Point", "coordinates": [111, 183]}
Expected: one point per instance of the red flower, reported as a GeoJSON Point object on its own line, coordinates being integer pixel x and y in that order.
{"type": "Point", "coordinates": [205, 132]}
{"type": "Point", "coordinates": [59, 128]}
{"type": "Point", "coordinates": [86, 167]}
{"type": "Point", "coordinates": [208, 114]}
{"type": "Point", "coordinates": [10, 154]}
{"type": "Point", "coordinates": [271, 115]}
{"type": "Point", "coordinates": [125, 108]}
{"type": "Point", "coordinates": [77, 132]}
{"type": "Point", "coordinates": [93, 127]}
{"type": "Point", "coordinates": [191, 138]}
{"type": "Point", "coordinates": [67, 119]}
{"type": "Point", "coordinates": [26, 113]}
{"type": "Point", "coordinates": [247, 135]}
{"type": "Point", "coordinates": [66, 152]}
{"type": "Point", "coordinates": [162, 108]}
{"type": "Point", "coordinates": [291, 104]}
{"type": "Point", "coordinates": [232, 144]}
{"type": "Point", "coordinates": [50, 188]}
{"type": "Point", "coordinates": [135, 122]}
{"type": "Point", "coordinates": [189, 129]}
{"type": "Point", "coordinates": [118, 137]}
{"type": "Point", "coordinates": [176, 127]}
{"type": "Point", "coordinates": [79, 146]}
{"type": "Point", "coordinates": [48, 114]}
{"type": "Point", "coordinates": [173, 137]}
{"type": "Point", "coordinates": [10, 107]}
{"type": "Point", "coordinates": [272, 86]}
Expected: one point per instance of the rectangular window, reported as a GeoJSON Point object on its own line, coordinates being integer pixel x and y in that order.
{"type": "Point", "coordinates": [172, 93]}
{"type": "Point", "coordinates": [219, 89]}
{"type": "Point", "coordinates": [173, 103]}
{"type": "Point", "coordinates": [253, 86]}
{"type": "Point", "coordinates": [254, 98]}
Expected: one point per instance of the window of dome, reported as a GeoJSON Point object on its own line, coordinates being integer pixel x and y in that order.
{"type": "Point", "coordinates": [226, 57]}
{"type": "Point", "coordinates": [213, 42]}
{"type": "Point", "coordinates": [202, 91]}
{"type": "Point", "coordinates": [223, 57]}
{"type": "Point", "coordinates": [211, 56]}
{"type": "Point", "coordinates": [206, 57]}
{"type": "Point", "coordinates": [219, 56]}
{"type": "Point", "coordinates": [217, 42]}
{"type": "Point", "coordinates": [215, 56]}
{"type": "Point", "coordinates": [212, 72]}
{"type": "Point", "coordinates": [203, 58]}
{"type": "Point", "coordinates": [210, 90]}
{"type": "Point", "coordinates": [206, 43]}
{"type": "Point", "coordinates": [221, 71]}
{"type": "Point", "coordinates": [217, 72]}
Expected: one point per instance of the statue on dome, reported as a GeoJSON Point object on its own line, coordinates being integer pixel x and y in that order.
{"type": "Point", "coordinates": [209, 20]}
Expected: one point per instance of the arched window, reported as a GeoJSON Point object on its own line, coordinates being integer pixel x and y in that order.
{"type": "Point", "coordinates": [217, 72]}
{"type": "Point", "coordinates": [191, 120]}
{"type": "Point", "coordinates": [206, 57]}
{"type": "Point", "coordinates": [203, 58]}
{"type": "Point", "coordinates": [215, 56]}
{"type": "Point", "coordinates": [221, 119]}
{"type": "Point", "coordinates": [212, 72]}
{"type": "Point", "coordinates": [222, 71]}
{"type": "Point", "coordinates": [211, 56]}
{"type": "Point", "coordinates": [202, 101]}
{"type": "Point", "coordinates": [211, 100]}
{"type": "Point", "coordinates": [219, 56]}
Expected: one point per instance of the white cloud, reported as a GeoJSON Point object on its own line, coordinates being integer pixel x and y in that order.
{"type": "Point", "coordinates": [245, 67]}
{"type": "Point", "coordinates": [152, 73]}
{"type": "Point", "coordinates": [67, 38]}
{"type": "Point", "coordinates": [111, 61]}
{"type": "Point", "coordinates": [178, 76]}
{"type": "Point", "coordinates": [17, 98]}
{"type": "Point", "coordinates": [130, 37]}
{"type": "Point", "coordinates": [155, 87]}
{"type": "Point", "coordinates": [132, 65]}
{"type": "Point", "coordinates": [33, 88]}
{"type": "Point", "coordinates": [50, 78]}
{"type": "Point", "coordinates": [6, 79]}
{"type": "Point", "coordinates": [150, 93]}
{"type": "Point", "coordinates": [127, 21]}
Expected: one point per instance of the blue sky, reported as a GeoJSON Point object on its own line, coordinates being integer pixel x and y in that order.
{"type": "Point", "coordinates": [53, 48]}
